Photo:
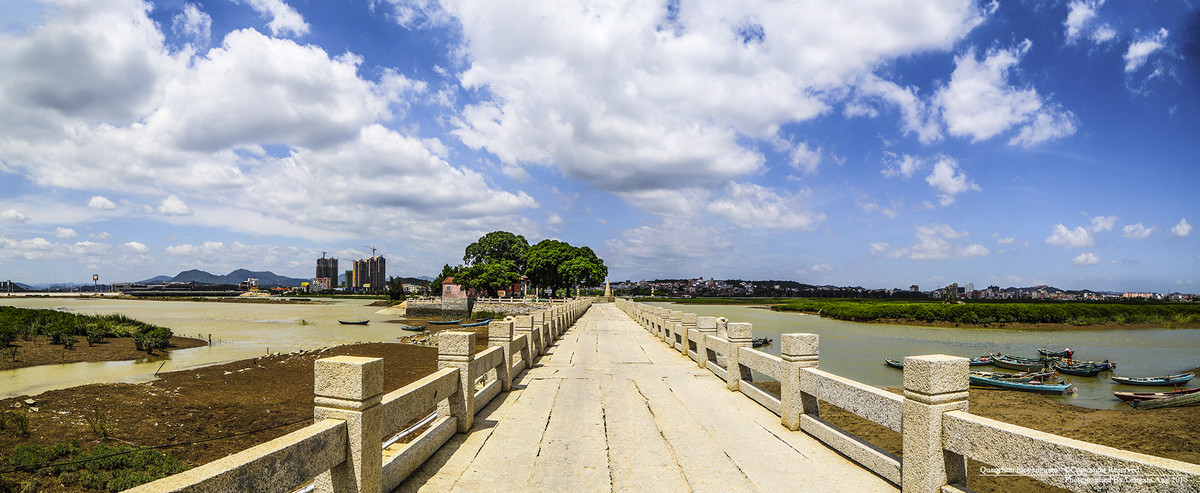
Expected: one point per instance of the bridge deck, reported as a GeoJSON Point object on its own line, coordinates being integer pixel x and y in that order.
{"type": "Point", "coordinates": [611, 408]}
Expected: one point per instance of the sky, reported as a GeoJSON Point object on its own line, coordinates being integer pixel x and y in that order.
{"type": "Point", "coordinates": [871, 143]}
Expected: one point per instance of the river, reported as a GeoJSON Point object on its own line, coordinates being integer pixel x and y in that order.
{"type": "Point", "coordinates": [857, 350]}
{"type": "Point", "coordinates": [238, 330]}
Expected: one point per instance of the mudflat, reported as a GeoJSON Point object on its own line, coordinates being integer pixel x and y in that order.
{"type": "Point", "coordinates": [40, 351]}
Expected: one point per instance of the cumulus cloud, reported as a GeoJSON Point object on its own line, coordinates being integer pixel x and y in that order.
{"type": "Point", "coordinates": [1070, 238]}
{"type": "Point", "coordinates": [916, 116]}
{"type": "Point", "coordinates": [64, 233]}
{"type": "Point", "coordinates": [12, 216]}
{"type": "Point", "coordinates": [1103, 223]}
{"type": "Point", "coordinates": [1081, 22]}
{"type": "Point", "coordinates": [1182, 229]}
{"type": "Point", "coordinates": [748, 205]}
{"type": "Point", "coordinates": [1086, 259]}
{"type": "Point", "coordinates": [172, 206]}
{"type": "Point", "coordinates": [103, 235]}
{"type": "Point", "coordinates": [669, 247]}
{"type": "Point", "coordinates": [804, 158]}
{"type": "Point", "coordinates": [979, 103]}
{"type": "Point", "coordinates": [822, 268]}
{"type": "Point", "coordinates": [1137, 231]}
{"type": "Point", "coordinates": [949, 181]}
{"type": "Point", "coordinates": [136, 247]}
{"type": "Point", "coordinates": [1006, 241]}
{"type": "Point", "coordinates": [879, 247]}
{"type": "Point", "coordinates": [194, 24]}
{"type": "Point", "coordinates": [102, 203]}
{"type": "Point", "coordinates": [901, 165]}
{"type": "Point", "coordinates": [284, 19]}
{"type": "Point", "coordinates": [937, 242]}
{"type": "Point", "coordinates": [1141, 49]}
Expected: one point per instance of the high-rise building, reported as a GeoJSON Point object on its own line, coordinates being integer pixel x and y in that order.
{"type": "Point", "coordinates": [327, 268]}
{"type": "Point", "coordinates": [369, 274]}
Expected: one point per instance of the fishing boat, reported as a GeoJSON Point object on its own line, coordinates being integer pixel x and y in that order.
{"type": "Point", "coordinates": [1016, 377]}
{"type": "Point", "coordinates": [1179, 379]}
{"type": "Point", "coordinates": [445, 322]}
{"type": "Point", "coordinates": [413, 328]}
{"type": "Point", "coordinates": [361, 321]}
{"type": "Point", "coordinates": [1189, 399]}
{"type": "Point", "coordinates": [1019, 363]}
{"type": "Point", "coordinates": [1065, 353]}
{"type": "Point", "coordinates": [477, 324]}
{"type": "Point", "coordinates": [761, 341]}
{"type": "Point", "coordinates": [1079, 370]}
{"type": "Point", "coordinates": [1100, 365]}
{"type": "Point", "coordinates": [1149, 396]}
{"type": "Point", "coordinates": [894, 363]}
{"type": "Point", "coordinates": [980, 361]}
{"type": "Point", "coordinates": [1030, 386]}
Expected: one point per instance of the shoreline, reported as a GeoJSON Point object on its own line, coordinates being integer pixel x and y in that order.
{"type": "Point", "coordinates": [40, 352]}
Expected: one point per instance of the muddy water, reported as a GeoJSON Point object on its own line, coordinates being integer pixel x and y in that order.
{"type": "Point", "coordinates": [857, 351]}
{"type": "Point", "coordinates": [238, 330]}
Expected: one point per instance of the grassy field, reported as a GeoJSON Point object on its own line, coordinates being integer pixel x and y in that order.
{"type": "Point", "coordinates": [1081, 313]}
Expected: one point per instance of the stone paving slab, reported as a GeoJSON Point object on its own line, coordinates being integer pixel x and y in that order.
{"type": "Point", "coordinates": [611, 408]}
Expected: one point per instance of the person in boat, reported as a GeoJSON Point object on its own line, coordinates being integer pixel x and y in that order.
{"type": "Point", "coordinates": [1069, 353]}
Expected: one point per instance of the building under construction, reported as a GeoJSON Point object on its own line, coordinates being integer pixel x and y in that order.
{"type": "Point", "coordinates": [369, 275]}
{"type": "Point", "coordinates": [327, 268]}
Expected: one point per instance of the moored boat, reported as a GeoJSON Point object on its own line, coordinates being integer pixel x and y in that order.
{"type": "Point", "coordinates": [361, 321]}
{"type": "Point", "coordinates": [981, 361]}
{"type": "Point", "coordinates": [1179, 379]}
{"type": "Point", "coordinates": [762, 341]}
{"type": "Point", "coordinates": [1017, 377]}
{"type": "Point", "coordinates": [1190, 399]}
{"type": "Point", "coordinates": [445, 322]}
{"type": "Point", "coordinates": [894, 363]}
{"type": "Point", "coordinates": [1149, 396]}
{"type": "Point", "coordinates": [413, 328]}
{"type": "Point", "coordinates": [1030, 386]}
{"type": "Point", "coordinates": [477, 324]}
{"type": "Point", "coordinates": [1079, 370]}
{"type": "Point", "coordinates": [1065, 353]}
{"type": "Point", "coordinates": [1021, 364]}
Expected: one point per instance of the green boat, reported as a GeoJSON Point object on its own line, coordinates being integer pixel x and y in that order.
{"type": "Point", "coordinates": [1021, 364]}
{"type": "Point", "coordinates": [1030, 386]}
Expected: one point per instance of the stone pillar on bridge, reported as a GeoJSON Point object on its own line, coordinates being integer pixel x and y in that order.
{"type": "Point", "coordinates": [933, 385]}
{"type": "Point", "coordinates": [741, 334]}
{"type": "Point", "coordinates": [705, 326]}
{"type": "Point", "coordinates": [350, 388]}
{"type": "Point", "coordinates": [524, 325]}
{"type": "Point", "coordinates": [674, 319]}
{"type": "Point", "coordinates": [457, 350]}
{"type": "Point", "coordinates": [500, 333]}
{"type": "Point", "coordinates": [798, 351]}
{"type": "Point", "coordinates": [687, 324]}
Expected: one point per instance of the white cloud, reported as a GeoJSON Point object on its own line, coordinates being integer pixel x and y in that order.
{"type": "Point", "coordinates": [822, 268]}
{"type": "Point", "coordinates": [804, 158]}
{"type": "Point", "coordinates": [414, 14]}
{"type": "Point", "coordinates": [1081, 22]}
{"type": "Point", "coordinates": [916, 116]}
{"type": "Point", "coordinates": [903, 165]}
{"type": "Point", "coordinates": [1140, 50]}
{"type": "Point", "coordinates": [136, 247]}
{"type": "Point", "coordinates": [1086, 259]}
{"type": "Point", "coordinates": [669, 247]}
{"type": "Point", "coordinates": [1069, 238]}
{"type": "Point", "coordinates": [1182, 229]}
{"type": "Point", "coordinates": [554, 220]}
{"type": "Point", "coordinates": [194, 24]}
{"type": "Point", "coordinates": [103, 235]}
{"type": "Point", "coordinates": [1103, 223]}
{"type": "Point", "coordinates": [284, 19]}
{"type": "Point", "coordinates": [12, 216]}
{"type": "Point", "coordinates": [879, 247]}
{"type": "Point", "coordinates": [608, 95]}
{"type": "Point", "coordinates": [64, 233]}
{"type": "Point", "coordinates": [1137, 231]}
{"type": "Point", "coordinates": [975, 250]}
{"type": "Point", "coordinates": [934, 242]}
{"type": "Point", "coordinates": [979, 103]}
{"type": "Point", "coordinates": [1006, 241]}
{"type": "Point", "coordinates": [949, 181]}
{"type": "Point", "coordinates": [172, 206]}
{"type": "Point", "coordinates": [102, 203]}
{"type": "Point", "coordinates": [747, 205]}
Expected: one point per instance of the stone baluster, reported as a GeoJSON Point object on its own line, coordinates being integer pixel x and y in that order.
{"type": "Point", "coordinates": [349, 388]}
{"type": "Point", "coordinates": [741, 334]}
{"type": "Point", "coordinates": [457, 350]}
{"type": "Point", "coordinates": [524, 325]}
{"type": "Point", "coordinates": [500, 333]}
{"type": "Point", "coordinates": [539, 326]}
{"type": "Point", "coordinates": [686, 325]}
{"type": "Point", "coordinates": [705, 326]}
{"type": "Point", "coordinates": [933, 385]}
{"type": "Point", "coordinates": [797, 351]}
{"type": "Point", "coordinates": [674, 320]}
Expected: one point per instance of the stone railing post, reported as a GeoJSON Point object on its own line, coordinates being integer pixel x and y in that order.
{"type": "Point", "coordinates": [501, 334]}
{"type": "Point", "coordinates": [741, 334]}
{"type": "Point", "coordinates": [686, 324]}
{"type": "Point", "coordinates": [539, 326]}
{"type": "Point", "coordinates": [349, 388]}
{"type": "Point", "coordinates": [457, 350]}
{"type": "Point", "coordinates": [705, 326]}
{"type": "Point", "coordinates": [797, 351]}
{"type": "Point", "coordinates": [674, 320]}
{"type": "Point", "coordinates": [933, 385]}
{"type": "Point", "coordinates": [524, 325]}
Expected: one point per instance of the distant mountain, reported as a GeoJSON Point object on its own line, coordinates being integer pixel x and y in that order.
{"type": "Point", "coordinates": [155, 279]}
{"type": "Point", "coordinates": [265, 278]}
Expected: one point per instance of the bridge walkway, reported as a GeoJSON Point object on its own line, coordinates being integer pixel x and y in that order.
{"type": "Point", "coordinates": [611, 408]}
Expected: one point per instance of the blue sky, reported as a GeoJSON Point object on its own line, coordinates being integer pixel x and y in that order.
{"type": "Point", "coordinates": [1014, 143]}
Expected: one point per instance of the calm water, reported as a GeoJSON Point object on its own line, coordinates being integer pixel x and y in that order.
{"type": "Point", "coordinates": [239, 331]}
{"type": "Point", "coordinates": [857, 351]}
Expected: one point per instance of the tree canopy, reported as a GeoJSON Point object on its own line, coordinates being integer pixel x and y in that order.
{"type": "Point", "coordinates": [498, 246]}
{"type": "Point", "coordinates": [556, 264]}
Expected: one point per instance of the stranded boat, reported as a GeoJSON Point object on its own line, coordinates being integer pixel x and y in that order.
{"type": "Point", "coordinates": [361, 321]}
{"type": "Point", "coordinates": [1179, 379]}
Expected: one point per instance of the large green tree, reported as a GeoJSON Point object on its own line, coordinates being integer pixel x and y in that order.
{"type": "Point", "coordinates": [497, 246]}
{"type": "Point", "coordinates": [584, 268]}
{"type": "Point", "coordinates": [395, 288]}
{"type": "Point", "coordinates": [556, 264]}
{"type": "Point", "coordinates": [435, 286]}
{"type": "Point", "coordinates": [489, 277]}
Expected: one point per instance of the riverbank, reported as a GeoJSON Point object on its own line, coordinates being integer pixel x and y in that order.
{"type": "Point", "coordinates": [1014, 326]}
{"type": "Point", "coordinates": [240, 299]}
{"type": "Point", "coordinates": [215, 411]}
{"type": "Point", "coordinates": [40, 351]}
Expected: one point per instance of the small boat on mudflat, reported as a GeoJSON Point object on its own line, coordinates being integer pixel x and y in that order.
{"type": "Point", "coordinates": [361, 321]}
{"type": "Point", "coordinates": [1079, 370]}
{"type": "Point", "coordinates": [477, 324]}
{"type": "Point", "coordinates": [445, 322]}
{"type": "Point", "coordinates": [760, 342]}
{"type": "Point", "coordinates": [1189, 399]}
{"type": "Point", "coordinates": [1021, 364]}
{"type": "Point", "coordinates": [1016, 377]}
{"type": "Point", "coordinates": [1149, 396]}
{"type": "Point", "coordinates": [413, 328]}
{"type": "Point", "coordinates": [1179, 379]}
{"type": "Point", "coordinates": [1030, 386]}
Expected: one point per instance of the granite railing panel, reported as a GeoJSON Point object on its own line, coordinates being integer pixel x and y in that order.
{"type": "Point", "coordinates": [492, 372]}
{"type": "Point", "coordinates": [866, 401]}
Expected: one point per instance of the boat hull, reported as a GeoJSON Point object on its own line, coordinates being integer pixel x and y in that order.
{"type": "Point", "coordinates": [1155, 381]}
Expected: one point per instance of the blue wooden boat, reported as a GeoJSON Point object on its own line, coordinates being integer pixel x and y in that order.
{"type": "Point", "coordinates": [1016, 377]}
{"type": "Point", "coordinates": [894, 363]}
{"type": "Point", "coordinates": [1020, 364]}
{"type": "Point", "coordinates": [1179, 379]}
{"type": "Point", "coordinates": [361, 321]}
{"type": "Point", "coordinates": [445, 322]}
{"type": "Point", "coordinates": [477, 324]}
{"type": "Point", "coordinates": [413, 328]}
{"type": "Point", "coordinates": [1030, 386]}
{"type": "Point", "coordinates": [1077, 369]}
{"type": "Point", "coordinates": [760, 342]}
{"type": "Point", "coordinates": [1065, 353]}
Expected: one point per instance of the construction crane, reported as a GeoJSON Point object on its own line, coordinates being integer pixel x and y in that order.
{"type": "Point", "coordinates": [323, 252]}
{"type": "Point", "coordinates": [372, 247]}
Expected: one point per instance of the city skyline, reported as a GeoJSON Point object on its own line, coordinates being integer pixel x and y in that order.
{"type": "Point", "coordinates": [1009, 143]}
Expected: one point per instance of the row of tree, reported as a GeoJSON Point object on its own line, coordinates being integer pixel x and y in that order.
{"type": "Point", "coordinates": [499, 260]}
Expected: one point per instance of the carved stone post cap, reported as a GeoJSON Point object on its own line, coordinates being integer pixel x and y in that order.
{"type": "Point", "coordinates": [524, 321]}
{"type": "Point", "coordinates": [350, 378]}
{"type": "Point", "coordinates": [690, 318]}
{"type": "Point", "coordinates": [706, 323]}
{"type": "Point", "coordinates": [456, 343]}
{"type": "Point", "coordinates": [740, 330]}
{"type": "Point", "coordinates": [799, 344]}
{"type": "Point", "coordinates": [936, 374]}
{"type": "Point", "coordinates": [500, 330]}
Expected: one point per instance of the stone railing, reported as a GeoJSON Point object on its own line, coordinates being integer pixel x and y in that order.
{"type": "Point", "coordinates": [342, 450]}
{"type": "Point", "coordinates": [938, 434]}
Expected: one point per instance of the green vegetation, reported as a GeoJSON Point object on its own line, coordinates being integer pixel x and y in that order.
{"type": "Point", "coordinates": [499, 259]}
{"type": "Point", "coordinates": [102, 467]}
{"type": "Point", "coordinates": [721, 301]}
{"type": "Point", "coordinates": [993, 313]}
{"type": "Point", "coordinates": [62, 328]}
{"type": "Point", "coordinates": [555, 264]}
